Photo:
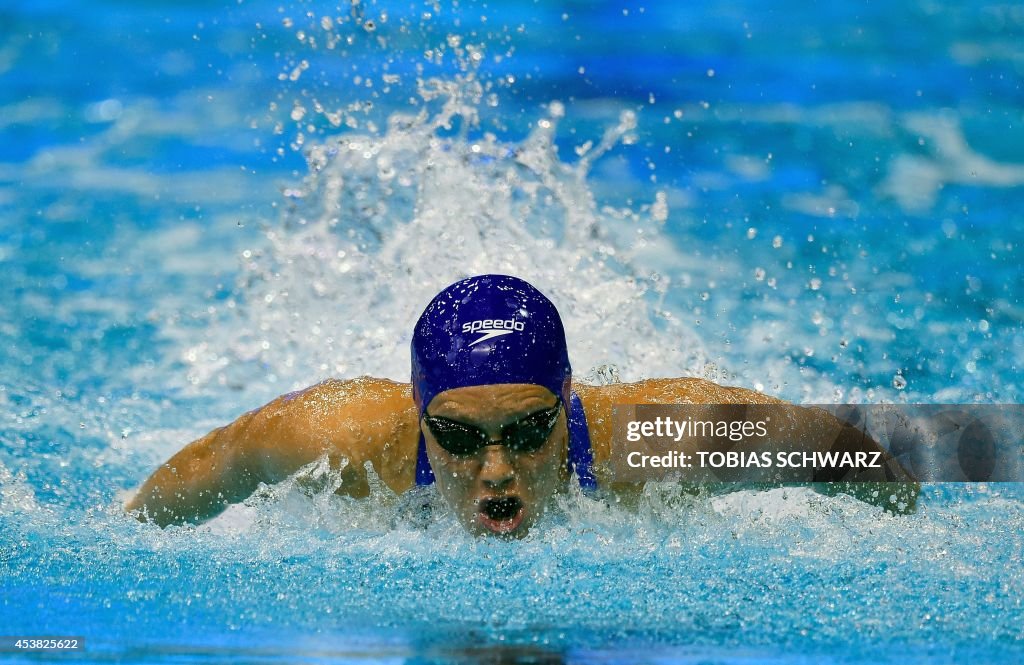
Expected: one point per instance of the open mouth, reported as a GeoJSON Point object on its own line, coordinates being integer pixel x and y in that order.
{"type": "Point", "coordinates": [502, 515]}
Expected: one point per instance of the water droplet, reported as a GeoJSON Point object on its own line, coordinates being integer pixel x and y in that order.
{"type": "Point", "coordinates": [751, 233]}
{"type": "Point", "coordinates": [584, 149]}
{"type": "Point", "coordinates": [777, 242]}
{"type": "Point", "coordinates": [659, 209]}
{"type": "Point", "coordinates": [898, 382]}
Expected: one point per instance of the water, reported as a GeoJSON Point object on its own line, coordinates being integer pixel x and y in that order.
{"type": "Point", "coordinates": [824, 205]}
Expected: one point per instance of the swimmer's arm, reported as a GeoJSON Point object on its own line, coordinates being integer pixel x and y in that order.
{"type": "Point", "coordinates": [200, 480]}
{"type": "Point", "coordinates": [886, 483]}
{"type": "Point", "coordinates": [891, 487]}
{"type": "Point", "coordinates": [352, 422]}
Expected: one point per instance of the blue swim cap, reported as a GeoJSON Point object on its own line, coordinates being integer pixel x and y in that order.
{"type": "Point", "coordinates": [489, 329]}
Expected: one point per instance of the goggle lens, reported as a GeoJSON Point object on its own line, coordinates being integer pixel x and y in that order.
{"type": "Point", "coordinates": [526, 435]}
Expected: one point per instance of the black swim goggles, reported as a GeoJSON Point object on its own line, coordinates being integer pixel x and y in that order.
{"type": "Point", "coordinates": [526, 435]}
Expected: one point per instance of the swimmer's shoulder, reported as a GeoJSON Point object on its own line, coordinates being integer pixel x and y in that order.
{"type": "Point", "coordinates": [342, 404]}
{"type": "Point", "coordinates": [364, 392]}
{"type": "Point", "coordinates": [359, 420]}
{"type": "Point", "coordinates": [599, 402]}
{"type": "Point", "coordinates": [681, 390]}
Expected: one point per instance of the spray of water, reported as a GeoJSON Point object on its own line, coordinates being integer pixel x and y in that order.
{"type": "Point", "coordinates": [383, 221]}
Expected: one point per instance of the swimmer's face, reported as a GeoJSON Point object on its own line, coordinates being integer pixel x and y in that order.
{"type": "Point", "coordinates": [497, 490]}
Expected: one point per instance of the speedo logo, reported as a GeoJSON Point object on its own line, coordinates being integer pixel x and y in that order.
{"type": "Point", "coordinates": [491, 328]}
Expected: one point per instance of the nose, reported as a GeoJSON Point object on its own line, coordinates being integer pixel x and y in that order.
{"type": "Point", "coordinates": [497, 472]}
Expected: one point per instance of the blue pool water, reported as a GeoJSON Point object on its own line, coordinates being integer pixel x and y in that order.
{"type": "Point", "coordinates": [205, 205]}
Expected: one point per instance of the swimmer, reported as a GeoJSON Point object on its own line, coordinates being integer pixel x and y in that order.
{"type": "Point", "coordinates": [492, 415]}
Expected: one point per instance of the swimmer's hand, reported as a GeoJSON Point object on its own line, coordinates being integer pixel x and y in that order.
{"type": "Point", "coordinates": [353, 422]}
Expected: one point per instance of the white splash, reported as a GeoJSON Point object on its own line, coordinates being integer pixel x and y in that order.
{"type": "Point", "coordinates": [383, 222]}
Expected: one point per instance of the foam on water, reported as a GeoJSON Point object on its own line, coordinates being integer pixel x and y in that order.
{"type": "Point", "coordinates": [769, 572]}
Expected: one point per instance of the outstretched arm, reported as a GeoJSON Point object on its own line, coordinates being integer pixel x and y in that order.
{"type": "Point", "coordinates": [353, 422]}
{"type": "Point", "coordinates": [890, 487]}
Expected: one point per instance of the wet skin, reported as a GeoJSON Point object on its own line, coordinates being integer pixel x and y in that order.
{"type": "Point", "coordinates": [496, 490]}
{"type": "Point", "coordinates": [372, 422]}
